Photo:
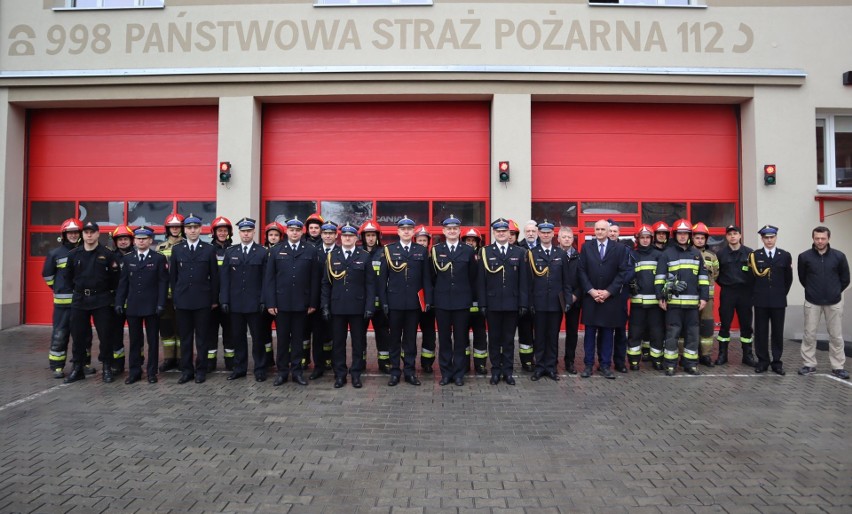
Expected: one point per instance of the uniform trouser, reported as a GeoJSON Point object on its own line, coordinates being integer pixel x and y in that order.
{"type": "Point", "coordinates": [403, 340]}
{"type": "Point", "coordinates": [62, 335]}
{"type": "Point", "coordinates": [217, 319]}
{"type": "Point", "coordinates": [735, 299]}
{"type": "Point", "coordinates": [81, 334]}
{"type": "Point", "coordinates": [381, 329]}
{"type": "Point", "coordinates": [546, 325]}
{"type": "Point", "coordinates": [240, 323]}
{"type": "Point", "coordinates": [766, 320]}
{"type": "Point", "coordinates": [707, 325]}
{"type": "Point", "coordinates": [168, 331]}
{"type": "Point", "coordinates": [453, 338]}
{"type": "Point", "coordinates": [321, 338]}
{"type": "Point", "coordinates": [480, 341]}
{"type": "Point", "coordinates": [291, 329]}
{"type": "Point", "coordinates": [681, 320]}
{"type": "Point", "coordinates": [526, 339]}
{"type": "Point", "coordinates": [118, 341]}
{"type": "Point", "coordinates": [427, 332]}
{"type": "Point", "coordinates": [590, 345]}
{"type": "Point", "coordinates": [356, 325]}
{"type": "Point", "coordinates": [645, 320]}
{"type": "Point", "coordinates": [137, 344]}
{"type": "Point", "coordinates": [619, 347]}
{"type": "Point", "coordinates": [501, 341]}
{"type": "Point", "coordinates": [833, 322]}
{"type": "Point", "coordinates": [572, 327]}
{"type": "Point", "coordinates": [266, 321]}
{"type": "Point", "coordinates": [193, 326]}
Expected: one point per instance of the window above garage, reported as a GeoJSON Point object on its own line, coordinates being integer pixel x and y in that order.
{"type": "Point", "coordinates": [109, 4]}
{"type": "Point", "coordinates": [834, 153]}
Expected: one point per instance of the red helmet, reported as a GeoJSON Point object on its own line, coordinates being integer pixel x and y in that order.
{"type": "Point", "coordinates": [421, 231]}
{"type": "Point", "coordinates": [368, 226]}
{"type": "Point", "coordinates": [700, 228]}
{"type": "Point", "coordinates": [643, 230]}
{"type": "Point", "coordinates": [174, 220]}
{"type": "Point", "coordinates": [315, 218]}
{"type": "Point", "coordinates": [472, 232]}
{"type": "Point", "coordinates": [682, 225]}
{"type": "Point", "coordinates": [513, 227]}
{"type": "Point", "coordinates": [274, 226]}
{"type": "Point", "coordinates": [222, 221]}
{"type": "Point", "coordinates": [122, 231]}
{"type": "Point", "coordinates": [71, 225]}
{"type": "Point", "coordinates": [660, 226]}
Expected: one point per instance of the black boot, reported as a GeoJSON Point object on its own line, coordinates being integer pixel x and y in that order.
{"type": "Point", "coordinates": [168, 364]}
{"type": "Point", "coordinates": [748, 356]}
{"type": "Point", "coordinates": [722, 359]}
{"type": "Point", "coordinates": [705, 360]}
{"type": "Point", "coordinates": [78, 373]}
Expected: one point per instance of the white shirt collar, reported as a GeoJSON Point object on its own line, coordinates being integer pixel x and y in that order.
{"type": "Point", "coordinates": [768, 251]}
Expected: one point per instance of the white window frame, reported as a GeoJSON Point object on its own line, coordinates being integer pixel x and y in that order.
{"type": "Point", "coordinates": [829, 158]}
{"type": "Point", "coordinates": [70, 5]}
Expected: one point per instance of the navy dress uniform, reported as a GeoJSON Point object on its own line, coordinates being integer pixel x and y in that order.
{"type": "Point", "coordinates": [773, 277]}
{"type": "Point", "coordinates": [550, 296]}
{"type": "Point", "coordinates": [348, 301]}
{"type": "Point", "coordinates": [454, 268]}
{"type": "Point", "coordinates": [141, 296]}
{"type": "Point", "coordinates": [404, 272]}
{"type": "Point", "coordinates": [321, 335]}
{"type": "Point", "coordinates": [93, 274]}
{"type": "Point", "coordinates": [241, 297]}
{"type": "Point", "coordinates": [194, 279]}
{"type": "Point", "coordinates": [503, 284]}
{"type": "Point", "coordinates": [572, 317]}
{"type": "Point", "coordinates": [291, 289]}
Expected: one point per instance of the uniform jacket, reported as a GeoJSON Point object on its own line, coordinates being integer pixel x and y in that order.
{"type": "Point", "coordinates": [143, 286]}
{"type": "Point", "coordinates": [194, 276]}
{"type": "Point", "coordinates": [645, 270]}
{"type": "Point", "coordinates": [550, 280]}
{"type": "Point", "coordinates": [770, 291]}
{"type": "Point", "coordinates": [399, 288]}
{"type": "Point", "coordinates": [612, 273]}
{"type": "Point", "coordinates": [54, 274]}
{"type": "Point", "coordinates": [454, 276]}
{"type": "Point", "coordinates": [503, 282]}
{"type": "Point", "coordinates": [685, 264]}
{"type": "Point", "coordinates": [711, 266]}
{"type": "Point", "coordinates": [93, 275]}
{"type": "Point", "coordinates": [292, 279]}
{"type": "Point", "coordinates": [241, 278]}
{"type": "Point", "coordinates": [165, 248]}
{"type": "Point", "coordinates": [733, 267]}
{"type": "Point", "coordinates": [573, 257]}
{"type": "Point", "coordinates": [824, 277]}
{"type": "Point", "coordinates": [348, 285]}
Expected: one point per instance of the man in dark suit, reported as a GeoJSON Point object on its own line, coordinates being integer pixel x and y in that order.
{"type": "Point", "coordinates": [503, 283]}
{"type": "Point", "coordinates": [291, 293]}
{"type": "Point", "coordinates": [404, 272]}
{"type": "Point", "coordinates": [572, 317]}
{"type": "Point", "coordinates": [773, 272]}
{"type": "Point", "coordinates": [321, 342]}
{"type": "Point", "coordinates": [604, 266]}
{"type": "Point", "coordinates": [454, 269]}
{"type": "Point", "coordinates": [194, 279]}
{"type": "Point", "coordinates": [141, 295]}
{"type": "Point", "coordinates": [240, 296]}
{"type": "Point", "coordinates": [348, 299]}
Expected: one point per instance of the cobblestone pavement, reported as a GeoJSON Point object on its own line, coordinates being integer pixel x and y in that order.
{"type": "Point", "coordinates": [726, 441]}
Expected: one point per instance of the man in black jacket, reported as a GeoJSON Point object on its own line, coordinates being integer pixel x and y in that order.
{"type": "Point", "coordinates": [773, 277]}
{"type": "Point", "coordinates": [824, 273]}
{"type": "Point", "coordinates": [736, 282]}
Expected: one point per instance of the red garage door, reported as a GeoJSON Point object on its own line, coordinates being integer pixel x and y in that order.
{"type": "Point", "coordinates": [353, 162]}
{"type": "Point", "coordinates": [112, 166]}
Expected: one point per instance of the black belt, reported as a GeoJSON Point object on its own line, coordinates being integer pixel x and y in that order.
{"type": "Point", "coordinates": [89, 292]}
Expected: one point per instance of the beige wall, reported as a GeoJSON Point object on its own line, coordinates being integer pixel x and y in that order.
{"type": "Point", "coordinates": [12, 131]}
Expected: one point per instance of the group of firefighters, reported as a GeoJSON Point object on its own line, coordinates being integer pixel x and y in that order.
{"type": "Point", "coordinates": [316, 285]}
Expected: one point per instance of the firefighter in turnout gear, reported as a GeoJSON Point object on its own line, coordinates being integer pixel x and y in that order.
{"type": "Point", "coordinates": [168, 326]}
{"type": "Point", "coordinates": [736, 282]}
{"type": "Point", "coordinates": [55, 277]}
{"type": "Point", "coordinates": [312, 237]}
{"type": "Point", "coordinates": [427, 317]}
{"type": "Point", "coordinates": [223, 233]}
{"type": "Point", "coordinates": [122, 238]}
{"type": "Point", "coordinates": [682, 291]}
{"type": "Point", "coordinates": [700, 233]}
{"type": "Point", "coordinates": [473, 238]}
{"type": "Point", "coordinates": [371, 242]}
{"type": "Point", "coordinates": [646, 317]}
{"type": "Point", "coordinates": [661, 235]}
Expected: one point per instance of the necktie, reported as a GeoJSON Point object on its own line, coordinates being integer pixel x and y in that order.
{"type": "Point", "coordinates": [603, 246]}
{"type": "Point", "coordinates": [503, 251]}
{"type": "Point", "coordinates": [348, 254]}
{"type": "Point", "coordinates": [191, 248]}
{"type": "Point", "coordinates": [293, 247]}
{"type": "Point", "coordinates": [452, 248]}
{"type": "Point", "coordinates": [547, 252]}
{"type": "Point", "coordinates": [245, 250]}
{"type": "Point", "coordinates": [141, 257]}
{"type": "Point", "coordinates": [405, 248]}
{"type": "Point", "coordinates": [770, 255]}
{"type": "Point", "coordinates": [327, 250]}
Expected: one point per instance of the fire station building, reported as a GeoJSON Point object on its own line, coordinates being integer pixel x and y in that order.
{"type": "Point", "coordinates": [121, 111]}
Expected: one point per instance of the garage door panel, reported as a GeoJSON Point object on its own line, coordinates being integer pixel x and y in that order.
{"type": "Point", "coordinates": [138, 182]}
{"type": "Point", "coordinates": [152, 150]}
{"type": "Point", "coordinates": [130, 121]}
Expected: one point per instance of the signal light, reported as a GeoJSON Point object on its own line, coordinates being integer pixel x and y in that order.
{"type": "Point", "coordinates": [769, 177]}
{"type": "Point", "coordinates": [224, 172]}
{"type": "Point", "coordinates": [503, 171]}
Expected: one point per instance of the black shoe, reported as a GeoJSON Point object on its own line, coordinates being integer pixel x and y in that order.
{"type": "Point", "coordinates": [426, 369]}
{"type": "Point", "coordinates": [659, 366]}
{"type": "Point", "coordinates": [280, 379]}
{"type": "Point", "coordinates": [185, 378]}
{"type": "Point", "coordinates": [761, 368]}
{"type": "Point", "coordinates": [621, 369]}
{"type": "Point", "coordinates": [89, 369]}
{"type": "Point", "coordinates": [459, 381]}
{"type": "Point", "coordinates": [495, 379]}
{"type": "Point", "coordinates": [553, 376]}
{"type": "Point", "coordinates": [260, 377]}
{"type": "Point", "coordinates": [132, 379]}
{"type": "Point", "coordinates": [152, 379]}
{"type": "Point", "coordinates": [527, 367]}
{"type": "Point", "coordinates": [509, 379]}
{"type": "Point", "coordinates": [413, 380]}
{"type": "Point", "coordinates": [339, 382]}
{"type": "Point", "coordinates": [58, 373]}
{"type": "Point", "coordinates": [235, 375]}
{"type": "Point", "coordinates": [168, 364]}
{"type": "Point", "coordinates": [356, 382]}
{"type": "Point", "coordinates": [804, 370]}
{"type": "Point", "coordinates": [394, 380]}
{"type": "Point", "coordinates": [76, 374]}
{"type": "Point", "coordinates": [607, 373]}
{"type": "Point", "coordinates": [646, 356]}
{"type": "Point", "coordinates": [571, 369]}
{"type": "Point", "coordinates": [316, 373]}
{"type": "Point", "coordinates": [634, 367]}
{"type": "Point", "coordinates": [480, 370]}
{"type": "Point", "coordinates": [779, 370]}
{"type": "Point", "coordinates": [670, 372]}
{"type": "Point", "coordinates": [444, 381]}
{"type": "Point", "coordinates": [692, 370]}
{"type": "Point", "coordinates": [840, 373]}
{"type": "Point", "coordinates": [586, 372]}
{"type": "Point", "coordinates": [106, 376]}
{"type": "Point", "coordinates": [749, 360]}
{"type": "Point", "coordinates": [200, 379]}
{"type": "Point", "coordinates": [705, 360]}
{"type": "Point", "coordinates": [299, 379]}
{"type": "Point", "coordinates": [537, 376]}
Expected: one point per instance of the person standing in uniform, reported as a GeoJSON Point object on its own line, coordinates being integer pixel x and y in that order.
{"type": "Point", "coordinates": [427, 316]}
{"type": "Point", "coordinates": [572, 317]}
{"type": "Point", "coordinates": [661, 235]}
{"type": "Point", "coordinates": [404, 273]}
{"type": "Point", "coordinates": [168, 326]}
{"type": "Point", "coordinates": [474, 239]}
{"type": "Point", "coordinates": [773, 277]}
{"type": "Point", "coordinates": [526, 331]}
{"type": "Point", "coordinates": [824, 273]}
{"type": "Point", "coordinates": [223, 233]}
{"type": "Point", "coordinates": [348, 300]}
{"type": "Point", "coordinates": [646, 317]}
{"type": "Point", "coordinates": [312, 237]}
{"type": "Point", "coordinates": [682, 291]}
{"type": "Point", "coordinates": [141, 297]}
{"type": "Point", "coordinates": [700, 233]}
{"type": "Point", "coordinates": [321, 330]}
{"type": "Point", "coordinates": [371, 242]}
{"type": "Point", "coordinates": [619, 343]}
{"type": "Point", "coordinates": [272, 234]}
{"type": "Point", "coordinates": [454, 269]}
{"type": "Point", "coordinates": [291, 294]}
{"type": "Point", "coordinates": [93, 273]}
{"type": "Point", "coordinates": [514, 232]}
{"type": "Point", "coordinates": [194, 279]}
{"type": "Point", "coordinates": [122, 238]}
{"type": "Point", "coordinates": [736, 281]}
